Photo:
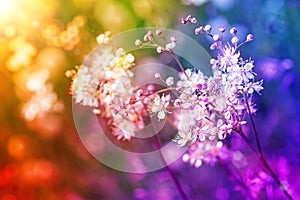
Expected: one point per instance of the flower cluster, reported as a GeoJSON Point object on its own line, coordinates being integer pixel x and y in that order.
{"type": "Point", "coordinates": [149, 40]}
{"type": "Point", "coordinates": [203, 109]}
{"type": "Point", "coordinates": [43, 100]}
{"type": "Point", "coordinates": [205, 152]}
{"type": "Point", "coordinates": [106, 85]}
{"type": "Point", "coordinates": [210, 107]}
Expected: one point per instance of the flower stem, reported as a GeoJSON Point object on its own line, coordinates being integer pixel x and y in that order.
{"type": "Point", "coordinates": [234, 176]}
{"type": "Point", "coordinates": [253, 126]}
{"type": "Point", "coordinates": [265, 164]}
{"type": "Point", "coordinates": [156, 145]}
{"type": "Point", "coordinates": [178, 62]}
{"type": "Point", "coordinates": [260, 154]}
{"type": "Point", "coordinates": [164, 90]}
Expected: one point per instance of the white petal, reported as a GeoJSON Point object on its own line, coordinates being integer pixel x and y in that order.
{"type": "Point", "coordinates": [221, 135]}
{"type": "Point", "coordinates": [161, 114]}
{"type": "Point", "coordinates": [202, 137]}
{"type": "Point", "coordinates": [154, 109]}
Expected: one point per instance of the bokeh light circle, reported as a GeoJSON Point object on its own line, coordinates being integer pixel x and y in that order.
{"type": "Point", "coordinates": [87, 124]}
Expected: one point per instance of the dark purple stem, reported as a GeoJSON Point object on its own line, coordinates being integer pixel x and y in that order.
{"type": "Point", "coordinates": [265, 164]}
{"type": "Point", "coordinates": [260, 154]}
{"type": "Point", "coordinates": [253, 125]}
{"type": "Point", "coordinates": [156, 144]}
{"type": "Point", "coordinates": [178, 62]}
{"type": "Point", "coordinates": [234, 176]}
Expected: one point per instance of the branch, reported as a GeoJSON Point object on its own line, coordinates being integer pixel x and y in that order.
{"type": "Point", "coordinates": [265, 164]}
{"type": "Point", "coordinates": [253, 126]}
{"type": "Point", "coordinates": [234, 176]}
{"type": "Point", "coordinates": [157, 145]}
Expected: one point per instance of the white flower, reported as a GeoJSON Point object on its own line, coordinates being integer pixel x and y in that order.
{"type": "Point", "coordinates": [247, 72]}
{"type": "Point", "coordinates": [182, 138]}
{"type": "Point", "coordinates": [256, 86]}
{"type": "Point", "coordinates": [230, 57]}
{"type": "Point", "coordinates": [190, 81]}
{"type": "Point", "coordinates": [186, 121]}
{"type": "Point", "coordinates": [170, 46]}
{"type": "Point", "coordinates": [106, 82]}
{"type": "Point", "coordinates": [205, 152]}
{"type": "Point", "coordinates": [161, 115]}
{"type": "Point", "coordinates": [130, 58]}
{"type": "Point", "coordinates": [159, 49]}
{"type": "Point", "coordinates": [41, 103]}
{"type": "Point", "coordinates": [100, 60]}
{"type": "Point", "coordinates": [84, 87]}
{"type": "Point", "coordinates": [123, 128]}
{"type": "Point", "coordinates": [160, 105]}
{"type": "Point", "coordinates": [170, 81]}
{"type": "Point", "coordinates": [103, 38]}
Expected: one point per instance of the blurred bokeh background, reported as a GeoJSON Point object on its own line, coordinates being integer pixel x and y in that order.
{"type": "Point", "coordinates": [41, 156]}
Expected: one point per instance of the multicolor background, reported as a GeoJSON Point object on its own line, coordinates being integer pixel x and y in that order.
{"type": "Point", "coordinates": [41, 156]}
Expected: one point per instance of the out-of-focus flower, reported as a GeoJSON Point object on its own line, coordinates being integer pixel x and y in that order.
{"type": "Point", "coordinates": [43, 99]}
{"type": "Point", "coordinates": [194, 2]}
{"type": "Point", "coordinates": [273, 68]}
{"type": "Point", "coordinates": [23, 54]}
{"type": "Point", "coordinates": [255, 181]}
{"type": "Point", "coordinates": [207, 152]}
{"type": "Point", "coordinates": [67, 38]}
{"type": "Point", "coordinates": [107, 86]}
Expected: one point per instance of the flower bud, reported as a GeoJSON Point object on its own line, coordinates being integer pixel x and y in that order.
{"type": "Point", "coordinates": [140, 92]}
{"type": "Point", "coordinates": [150, 33]}
{"type": "Point", "coordinates": [151, 87]}
{"type": "Point", "coordinates": [138, 43]}
{"type": "Point", "coordinates": [249, 38]}
{"type": "Point", "coordinates": [216, 37]}
{"type": "Point", "coordinates": [170, 46]}
{"type": "Point", "coordinates": [130, 58]}
{"type": "Point", "coordinates": [70, 73]}
{"type": "Point", "coordinates": [177, 103]}
{"type": "Point", "coordinates": [157, 75]}
{"type": "Point", "coordinates": [222, 29]}
{"type": "Point", "coordinates": [198, 30]}
{"type": "Point", "coordinates": [233, 31]}
{"type": "Point", "coordinates": [168, 97]}
{"type": "Point", "coordinates": [199, 86]}
{"type": "Point", "coordinates": [193, 20]}
{"type": "Point", "coordinates": [198, 163]}
{"type": "Point", "coordinates": [183, 21]}
{"type": "Point", "coordinates": [213, 46]}
{"type": "Point", "coordinates": [159, 49]}
{"type": "Point", "coordinates": [158, 32]}
{"type": "Point", "coordinates": [146, 38]}
{"type": "Point", "coordinates": [188, 18]}
{"type": "Point", "coordinates": [234, 40]}
{"type": "Point", "coordinates": [170, 81]}
{"type": "Point", "coordinates": [185, 157]}
{"type": "Point", "coordinates": [173, 39]}
{"type": "Point", "coordinates": [207, 28]}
